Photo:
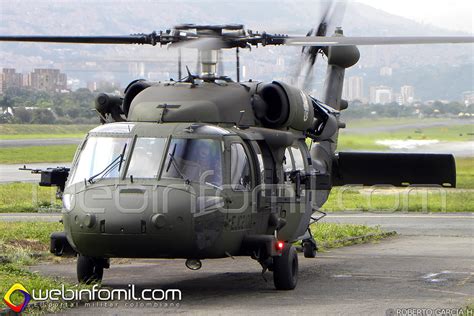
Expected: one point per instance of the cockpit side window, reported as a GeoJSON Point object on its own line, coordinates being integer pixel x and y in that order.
{"type": "Point", "coordinates": [240, 173]}
{"type": "Point", "coordinates": [146, 157]}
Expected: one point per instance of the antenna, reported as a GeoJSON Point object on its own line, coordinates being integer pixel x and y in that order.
{"type": "Point", "coordinates": [220, 65]}
{"type": "Point", "coordinates": [237, 63]}
{"type": "Point", "coordinates": [242, 112]}
{"type": "Point", "coordinates": [190, 77]}
{"type": "Point", "coordinates": [179, 64]}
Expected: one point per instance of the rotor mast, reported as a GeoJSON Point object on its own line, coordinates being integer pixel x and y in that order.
{"type": "Point", "coordinates": [208, 55]}
{"type": "Point", "coordinates": [209, 59]}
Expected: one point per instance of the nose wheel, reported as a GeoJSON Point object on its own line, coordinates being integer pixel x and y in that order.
{"type": "Point", "coordinates": [285, 269]}
{"type": "Point", "coordinates": [90, 270]}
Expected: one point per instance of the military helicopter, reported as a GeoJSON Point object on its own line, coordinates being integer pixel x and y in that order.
{"type": "Point", "coordinates": [207, 167]}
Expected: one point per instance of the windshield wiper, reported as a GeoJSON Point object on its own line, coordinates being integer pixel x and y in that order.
{"type": "Point", "coordinates": [111, 166]}
{"type": "Point", "coordinates": [121, 157]}
{"type": "Point", "coordinates": [175, 165]}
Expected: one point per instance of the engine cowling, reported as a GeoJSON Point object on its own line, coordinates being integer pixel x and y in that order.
{"type": "Point", "coordinates": [278, 105]}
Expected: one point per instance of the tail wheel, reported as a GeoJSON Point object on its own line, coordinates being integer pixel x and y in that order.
{"type": "Point", "coordinates": [285, 269]}
{"type": "Point", "coordinates": [89, 270]}
{"type": "Point", "coordinates": [309, 249]}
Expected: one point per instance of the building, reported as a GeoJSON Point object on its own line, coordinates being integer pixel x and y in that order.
{"type": "Point", "coordinates": [386, 71]}
{"type": "Point", "coordinates": [345, 89]}
{"type": "Point", "coordinates": [407, 94]}
{"type": "Point", "coordinates": [103, 86]}
{"type": "Point", "coordinates": [397, 97]}
{"type": "Point", "coordinates": [355, 89]}
{"type": "Point", "coordinates": [381, 95]}
{"type": "Point", "coordinates": [136, 69]}
{"type": "Point", "coordinates": [51, 80]}
{"type": "Point", "coordinates": [468, 97]}
{"type": "Point", "coordinates": [10, 78]}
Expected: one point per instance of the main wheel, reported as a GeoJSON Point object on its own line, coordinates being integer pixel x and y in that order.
{"type": "Point", "coordinates": [285, 269]}
{"type": "Point", "coordinates": [89, 270]}
{"type": "Point", "coordinates": [309, 249]}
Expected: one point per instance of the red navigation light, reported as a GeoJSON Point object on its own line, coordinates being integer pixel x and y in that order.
{"type": "Point", "coordinates": [280, 245]}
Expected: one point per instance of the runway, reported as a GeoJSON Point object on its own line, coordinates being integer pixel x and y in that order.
{"type": "Point", "coordinates": [38, 142]}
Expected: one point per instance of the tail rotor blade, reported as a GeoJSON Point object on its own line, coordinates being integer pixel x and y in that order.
{"type": "Point", "coordinates": [331, 14]}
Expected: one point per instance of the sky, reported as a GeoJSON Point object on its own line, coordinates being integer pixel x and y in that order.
{"type": "Point", "coordinates": [449, 14]}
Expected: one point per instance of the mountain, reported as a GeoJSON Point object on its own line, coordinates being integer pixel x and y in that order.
{"type": "Point", "coordinates": [61, 17]}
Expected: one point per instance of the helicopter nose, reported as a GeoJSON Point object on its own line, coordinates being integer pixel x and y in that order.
{"type": "Point", "coordinates": [134, 209]}
{"type": "Point", "coordinates": [154, 221]}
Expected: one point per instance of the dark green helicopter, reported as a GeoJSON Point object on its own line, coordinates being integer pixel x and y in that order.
{"type": "Point", "coordinates": [207, 167]}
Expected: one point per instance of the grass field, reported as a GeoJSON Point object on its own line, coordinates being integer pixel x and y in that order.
{"type": "Point", "coordinates": [399, 200]}
{"type": "Point", "coordinates": [27, 197]}
{"type": "Point", "coordinates": [465, 173]}
{"type": "Point", "coordinates": [30, 154]}
{"type": "Point", "coordinates": [362, 141]}
{"type": "Point", "coordinates": [22, 131]}
{"type": "Point", "coordinates": [21, 244]}
{"type": "Point", "coordinates": [386, 121]}
{"type": "Point", "coordinates": [331, 235]}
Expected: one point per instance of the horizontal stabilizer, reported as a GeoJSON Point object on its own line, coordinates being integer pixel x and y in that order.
{"type": "Point", "coordinates": [397, 169]}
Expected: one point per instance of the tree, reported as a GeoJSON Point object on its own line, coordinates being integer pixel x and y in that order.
{"type": "Point", "coordinates": [22, 115]}
{"type": "Point", "coordinates": [5, 103]}
{"type": "Point", "coordinates": [43, 116]}
{"type": "Point", "coordinates": [6, 118]}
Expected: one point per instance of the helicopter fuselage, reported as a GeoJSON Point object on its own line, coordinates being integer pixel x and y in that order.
{"type": "Point", "coordinates": [184, 190]}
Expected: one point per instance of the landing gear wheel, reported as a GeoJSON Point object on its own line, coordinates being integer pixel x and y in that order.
{"type": "Point", "coordinates": [89, 269]}
{"type": "Point", "coordinates": [285, 269]}
{"type": "Point", "coordinates": [309, 249]}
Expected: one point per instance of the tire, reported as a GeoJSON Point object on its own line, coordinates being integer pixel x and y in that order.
{"type": "Point", "coordinates": [309, 250]}
{"type": "Point", "coordinates": [285, 269]}
{"type": "Point", "coordinates": [89, 270]}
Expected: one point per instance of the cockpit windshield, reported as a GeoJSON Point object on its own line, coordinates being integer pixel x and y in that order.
{"type": "Point", "coordinates": [146, 157]}
{"type": "Point", "coordinates": [98, 154]}
{"type": "Point", "coordinates": [198, 160]}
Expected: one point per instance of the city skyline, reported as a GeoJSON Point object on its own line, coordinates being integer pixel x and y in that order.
{"type": "Point", "coordinates": [46, 79]}
{"type": "Point", "coordinates": [54, 80]}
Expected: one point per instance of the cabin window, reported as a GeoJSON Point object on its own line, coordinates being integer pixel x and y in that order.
{"type": "Point", "coordinates": [198, 160]}
{"type": "Point", "coordinates": [240, 174]}
{"type": "Point", "coordinates": [146, 157]}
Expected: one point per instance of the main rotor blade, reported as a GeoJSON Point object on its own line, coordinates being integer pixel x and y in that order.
{"type": "Point", "coordinates": [126, 39]}
{"type": "Point", "coordinates": [397, 40]}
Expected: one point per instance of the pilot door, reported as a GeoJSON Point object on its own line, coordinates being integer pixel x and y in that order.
{"type": "Point", "coordinates": [240, 172]}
